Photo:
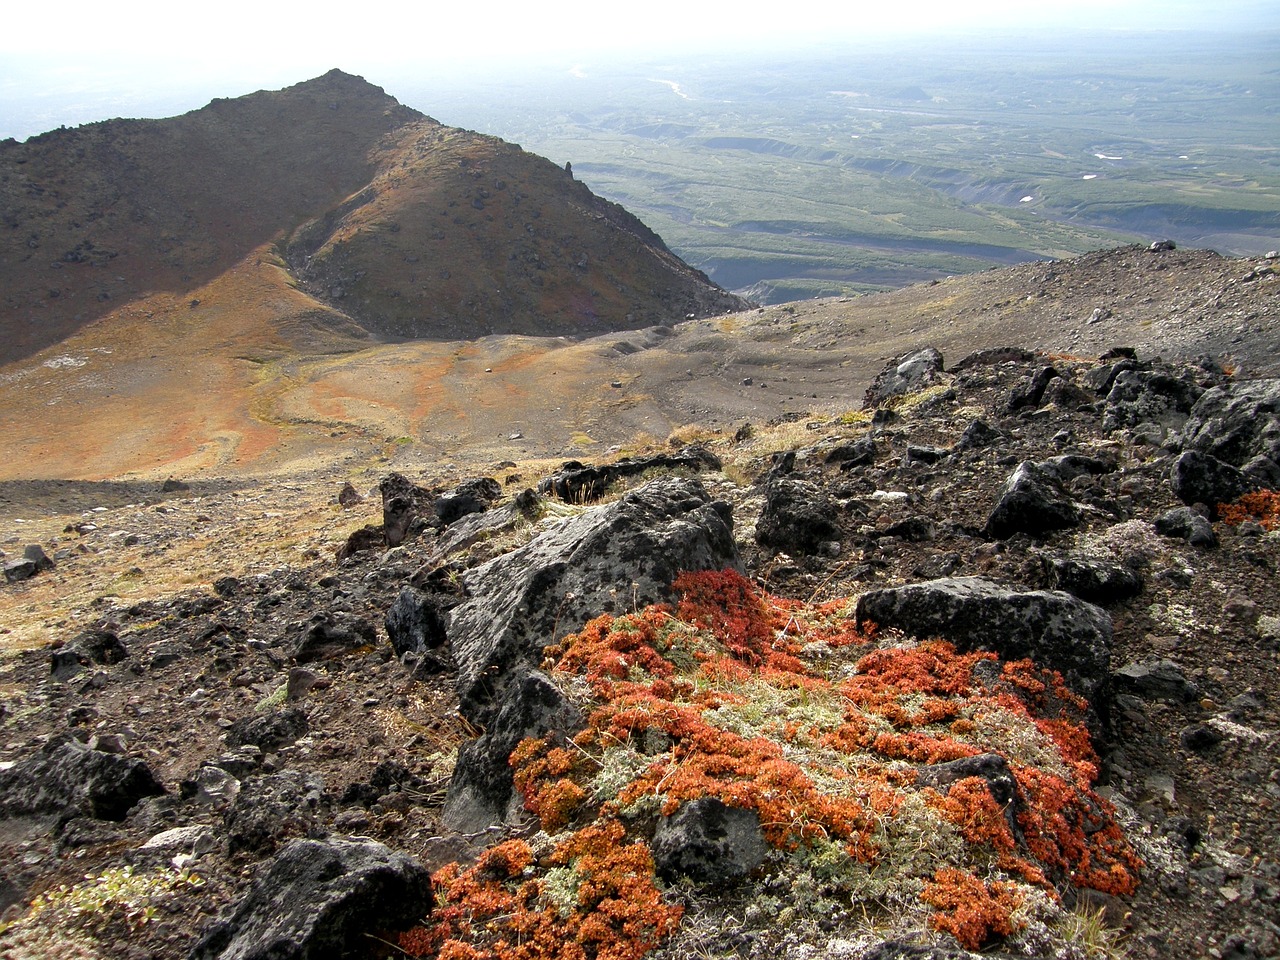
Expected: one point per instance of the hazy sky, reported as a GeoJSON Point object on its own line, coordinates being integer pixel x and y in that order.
{"type": "Point", "coordinates": [82, 60]}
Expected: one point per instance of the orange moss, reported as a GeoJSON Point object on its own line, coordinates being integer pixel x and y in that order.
{"type": "Point", "coordinates": [1262, 506]}
{"type": "Point", "coordinates": [671, 692]}
{"type": "Point", "coordinates": [973, 911]}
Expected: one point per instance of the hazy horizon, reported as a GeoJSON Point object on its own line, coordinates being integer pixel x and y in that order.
{"type": "Point", "coordinates": [159, 61]}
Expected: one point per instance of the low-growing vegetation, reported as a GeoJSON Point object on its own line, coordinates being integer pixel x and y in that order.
{"type": "Point", "coordinates": [831, 736]}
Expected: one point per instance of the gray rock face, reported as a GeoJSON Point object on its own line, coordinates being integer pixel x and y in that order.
{"type": "Point", "coordinates": [1032, 501]}
{"type": "Point", "coordinates": [614, 559]}
{"type": "Point", "coordinates": [910, 373]}
{"type": "Point", "coordinates": [709, 842]}
{"type": "Point", "coordinates": [1054, 629]}
{"type": "Point", "coordinates": [67, 778]}
{"type": "Point", "coordinates": [1236, 422]}
{"type": "Point", "coordinates": [317, 900]}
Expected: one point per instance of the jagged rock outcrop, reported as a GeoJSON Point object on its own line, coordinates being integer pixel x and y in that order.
{"type": "Point", "coordinates": [319, 899]}
{"type": "Point", "coordinates": [619, 557]}
{"type": "Point", "coordinates": [907, 374]}
{"type": "Point", "coordinates": [577, 483]}
{"type": "Point", "coordinates": [612, 559]}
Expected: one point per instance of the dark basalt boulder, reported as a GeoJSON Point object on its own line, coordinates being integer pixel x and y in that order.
{"type": "Point", "coordinates": [67, 778]}
{"type": "Point", "coordinates": [101, 647]}
{"type": "Point", "coordinates": [329, 635]}
{"type": "Point", "coordinates": [415, 622]}
{"type": "Point", "coordinates": [613, 559]}
{"type": "Point", "coordinates": [1093, 580]}
{"type": "Point", "coordinates": [1032, 501]}
{"type": "Point", "coordinates": [1054, 629]}
{"type": "Point", "coordinates": [269, 808]}
{"type": "Point", "coordinates": [907, 374]}
{"type": "Point", "coordinates": [321, 899]}
{"type": "Point", "coordinates": [577, 483]}
{"type": "Point", "coordinates": [407, 509]}
{"type": "Point", "coordinates": [470, 496]}
{"type": "Point", "coordinates": [1202, 478]}
{"type": "Point", "coordinates": [1183, 523]}
{"type": "Point", "coordinates": [797, 517]}
{"type": "Point", "coordinates": [708, 842]}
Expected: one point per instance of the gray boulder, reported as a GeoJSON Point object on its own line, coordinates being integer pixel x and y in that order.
{"type": "Point", "coordinates": [907, 374]}
{"type": "Point", "coordinates": [1054, 629]}
{"type": "Point", "coordinates": [1032, 501]}
{"type": "Point", "coordinates": [67, 778]}
{"type": "Point", "coordinates": [1198, 477]}
{"type": "Point", "coordinates": [1236, 422]}
{"type": "Point", "coordinates": [415, 622]}
{"type": "Point", "coordinates": [318, 899]}
{"type": "Point", "coordinates": [609, 560]}
{"type": "Point", "coordinates": [797, 517]}
{"type": "Point", "coordinates": [708, 842]}
{"type": "Point", "coordinates": [268, 808]}
{"type": "Point", "coordinates": [1183, 523]}
{"type": "Point", "coordinates": [1096, 581]}
{"type": "Point", "coordinates": [100, 647]}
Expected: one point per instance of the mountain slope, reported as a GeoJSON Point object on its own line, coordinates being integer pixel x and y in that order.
{"type": "Point", "coordinates": [407, 224]}
{"type": "Point", "coordinates": [105, 213]}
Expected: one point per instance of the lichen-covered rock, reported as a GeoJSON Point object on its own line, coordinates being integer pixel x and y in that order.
{"type": "Point", "coordinates": [269, 808]}
{"type": "Point", "coordinates": [1236, 422]}
{"type": "Point", "coordinates": [1094, 580]}
{"type": "Point", "coordinates": [321, 899]}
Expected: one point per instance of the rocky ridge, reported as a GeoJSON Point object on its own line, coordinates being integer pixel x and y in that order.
{"type": "Point", "coordinates": [177, 748]}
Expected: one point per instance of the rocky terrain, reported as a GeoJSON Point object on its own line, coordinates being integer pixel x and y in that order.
{"type": "Point", "coordinates": [426, 562]}
{"type": "Point", "coordinates": [292, 689]}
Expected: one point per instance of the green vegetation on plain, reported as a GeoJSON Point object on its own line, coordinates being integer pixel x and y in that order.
{"type": "Point", "coordinates": [848, 170]}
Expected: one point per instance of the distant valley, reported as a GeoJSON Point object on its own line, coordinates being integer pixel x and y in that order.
{"type": "Point", "coordinates": [886, 163]}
